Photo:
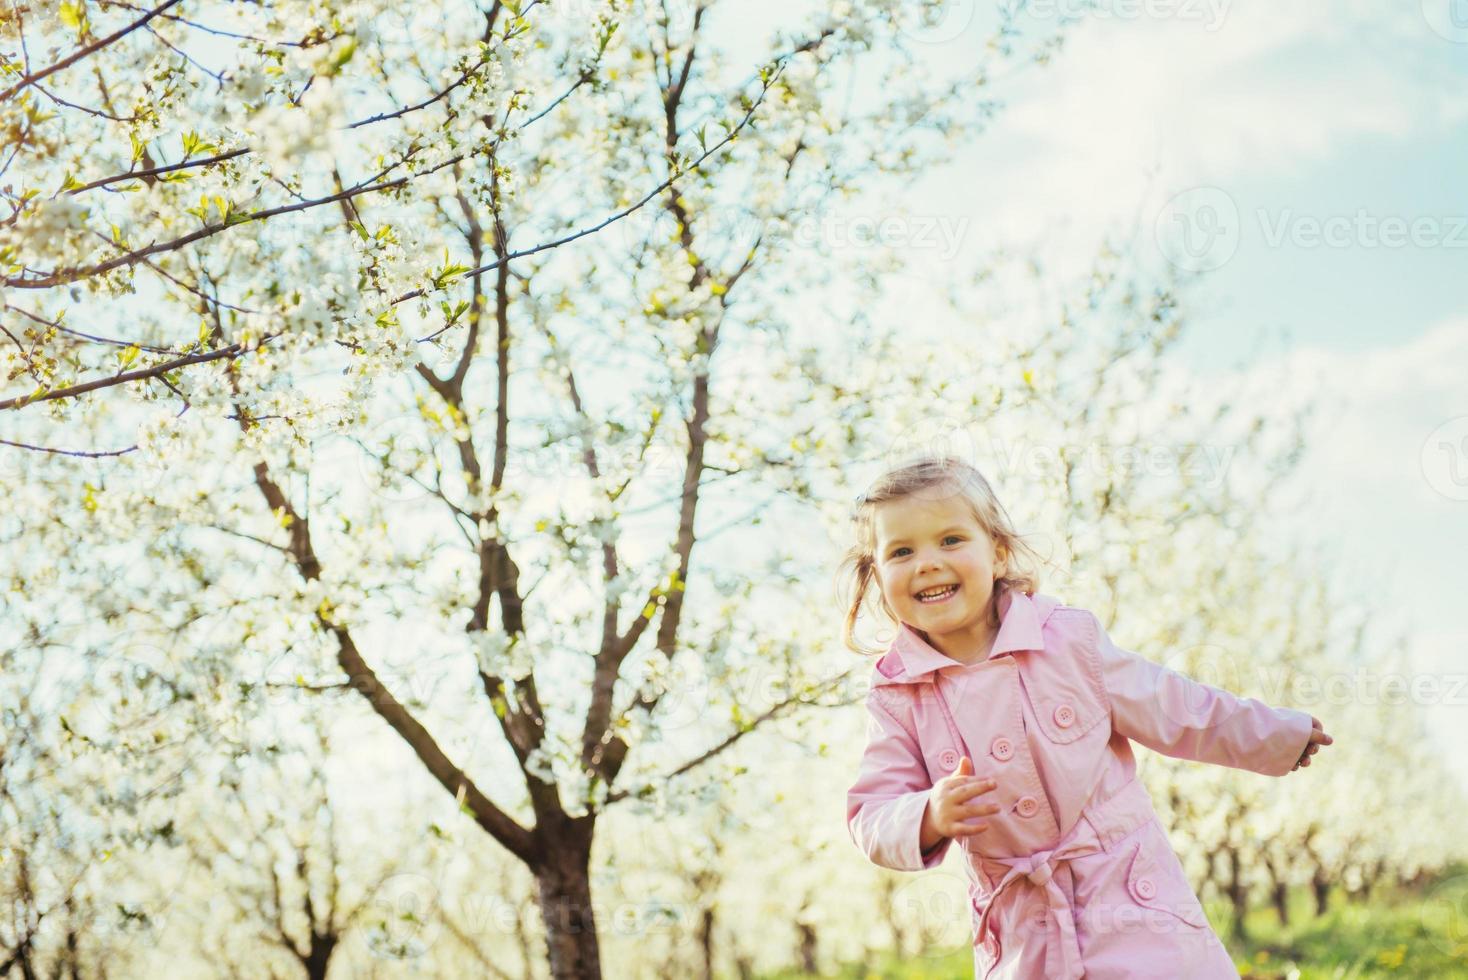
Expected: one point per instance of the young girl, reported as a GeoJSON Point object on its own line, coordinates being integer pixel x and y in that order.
{"type": "Point", "coordinates": [1003, 720]}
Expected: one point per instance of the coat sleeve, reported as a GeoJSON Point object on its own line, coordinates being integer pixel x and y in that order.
{"type": "Point", "coordinates": [884, 807]}
{"type": "Point", "coordinates": [1173, 714]}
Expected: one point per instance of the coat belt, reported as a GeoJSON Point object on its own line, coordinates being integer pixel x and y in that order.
{"type": "Point", "coordinates": [1099, 827]}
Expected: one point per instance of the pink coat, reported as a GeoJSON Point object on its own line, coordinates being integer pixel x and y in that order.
{"type": "Point", "coordinates": [1075, 876]}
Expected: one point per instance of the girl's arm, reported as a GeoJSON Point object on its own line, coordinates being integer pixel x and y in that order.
{"type": "Point", "coordinates": [884, 807]}
{"type": "Point", "coordinates": [1173, 714]}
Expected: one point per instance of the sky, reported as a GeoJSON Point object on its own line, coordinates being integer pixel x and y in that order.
{"type": "Point", "coordinates": [1303, 164]}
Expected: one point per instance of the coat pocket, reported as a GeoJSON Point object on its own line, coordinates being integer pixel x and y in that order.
{"type": "Point", "coordinates": [1064, 697]}
{"type": "Point", "coordinates": [1155, 880]}
{"type": "Point", "coordinates": [1065, 717]}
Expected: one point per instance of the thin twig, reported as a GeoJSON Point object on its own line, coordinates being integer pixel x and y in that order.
{"type": "Point", "coordinates": [81, 53]}
{"type": "Point", "coordinates": [69, 452]}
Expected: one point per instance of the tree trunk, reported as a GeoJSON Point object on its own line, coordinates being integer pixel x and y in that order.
{"type": "Point", "coordinates": [1319, 880]}
{"type": "Point", "coordinates": [807, 947]}
{"type": "Point", "coordinates": [1278, 889]}
{"type": "Point", "coordinates": [899, 935]}
{"type": "Point", "coordinates": [1374, 873]}
{"type": "Point", "coordinates": [706, 942]}
{"type": "Point", "coordinates": [1282, 903]}
{"type": "Point", "coordinates": [318, 960]}
{"type": "Point", "coordinates": [565, 907]}
{"type": "Point", "coordinates": [1237, 894]}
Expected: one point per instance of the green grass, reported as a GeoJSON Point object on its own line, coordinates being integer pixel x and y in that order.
{"type": "Point", "coordinates": [1400, 934]}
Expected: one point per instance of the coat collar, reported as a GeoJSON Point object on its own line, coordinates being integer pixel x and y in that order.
{"type": "Point", "coordinates": [910, 658]}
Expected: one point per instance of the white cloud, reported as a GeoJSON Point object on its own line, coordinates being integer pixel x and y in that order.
{"type": "Point", "coordinates": [1136, 108]}
{"type": "Point", "coordinates": [1366, 459]}
{"type": "Point", "coordinates": [1397, 542]}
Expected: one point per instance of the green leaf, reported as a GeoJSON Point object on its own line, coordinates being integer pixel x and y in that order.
{"type": "Point", "coordinates": [73, 14]}
{"type": "Point", "coordinates": [451, 314]}
{"type": "Point", "coordinates": [342, 57]}
{"type": "Point", "coordinates": [606, 38]}
{"type": "Point", "coordinates": [190, 141]}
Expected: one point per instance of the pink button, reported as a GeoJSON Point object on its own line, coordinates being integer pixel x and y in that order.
{"type": "Point", "coordinates": [1002, 749]}
{"type": "Point", "coordinates": [1065, 716]}
{"type": "Point", "coordinates": [1145, 888]}
{"type": "Point", "coordinates": [1028, 806]}
{"type": "Point", "coordinates": [948, 758]}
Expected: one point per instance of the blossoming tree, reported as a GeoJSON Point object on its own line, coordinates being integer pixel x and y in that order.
{"type": "Point", "coordinates": [319, 316]}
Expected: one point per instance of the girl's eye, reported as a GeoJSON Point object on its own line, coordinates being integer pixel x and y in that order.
{"type": "Point", "coordinates": [959, 537]}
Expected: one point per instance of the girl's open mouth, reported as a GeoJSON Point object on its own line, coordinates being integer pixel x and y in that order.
{"type": "Point", "coordinates": [940, 598]}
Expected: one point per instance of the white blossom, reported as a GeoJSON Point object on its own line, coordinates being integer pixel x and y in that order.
{"type": "Point", "coordinates": [290, 135]}
{"type": "Point", "coordinates": [50, 232]}
{"type": "Point", "coordinates": [493, 654]}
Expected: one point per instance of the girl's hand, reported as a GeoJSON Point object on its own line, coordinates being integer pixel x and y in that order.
{"type": "Point", "coordinates": [1317, 739]}
{"type": "Point", "coordinates": [951, 808]}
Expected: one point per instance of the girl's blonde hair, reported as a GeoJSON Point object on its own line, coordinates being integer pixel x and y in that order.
{"type": "Point", "coordinates": [932, 477]}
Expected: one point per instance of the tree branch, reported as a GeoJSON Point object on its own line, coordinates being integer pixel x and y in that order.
{"type": "Point", "coordinates": [515, 838]}
{"type": "Point", "coordinates": [81, 53]}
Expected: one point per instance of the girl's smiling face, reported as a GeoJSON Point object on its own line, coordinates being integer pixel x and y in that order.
{"type": "Point", "coordinates": [924, 545]}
